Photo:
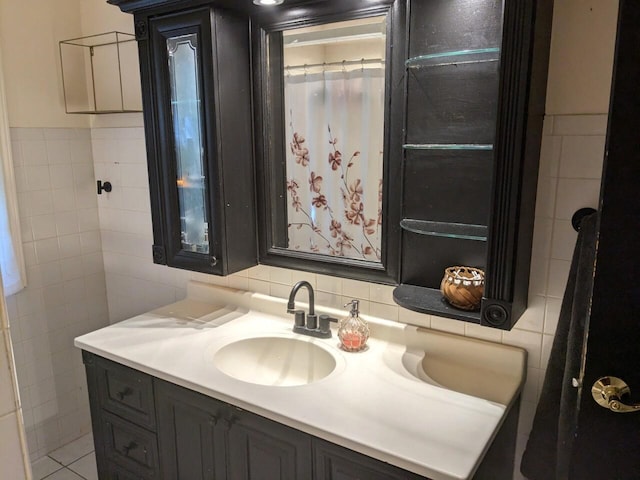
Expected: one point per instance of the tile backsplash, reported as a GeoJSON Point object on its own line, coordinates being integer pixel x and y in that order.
{"type": "Point", "coordinates": [66, 292]}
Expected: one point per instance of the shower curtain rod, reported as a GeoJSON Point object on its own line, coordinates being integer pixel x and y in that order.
{"type": "Point", "coordinates": [343, 63]}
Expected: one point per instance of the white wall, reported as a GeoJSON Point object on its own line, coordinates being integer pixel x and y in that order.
{"type": "Point", "coordinates": [29, 33]}
{"type": "Point", "coordinates": [581, 56]}
{"type": "Point", "coordinates": [66, 293]}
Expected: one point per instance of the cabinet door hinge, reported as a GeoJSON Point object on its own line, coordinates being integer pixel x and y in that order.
{"type": "Point", "coordinates": [159, 255]}
{"type": "Point", "coordinates": [141, 30]}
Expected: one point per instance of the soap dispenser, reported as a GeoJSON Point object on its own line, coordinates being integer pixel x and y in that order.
{"type": "Point", "coordinates": [353, 331]}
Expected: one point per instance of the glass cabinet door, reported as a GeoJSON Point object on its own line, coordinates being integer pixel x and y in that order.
{"type": "Point", "coordinates": [186, 112]}
{"type": "Point", "coordinates": [196, 81]}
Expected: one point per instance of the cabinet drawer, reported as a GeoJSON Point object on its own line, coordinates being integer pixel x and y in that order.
{"type": "Point", "coordinates": [130, 446]}
{"type": "Point", "coordinates": [126, 392]}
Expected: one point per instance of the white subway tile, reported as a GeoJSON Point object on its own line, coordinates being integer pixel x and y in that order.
{"type": "Point", "coordinates": [282, 276]}
{"type": "Point", "coordinates": [51, 273]}
{"type": "Point", "coordinates": [355, 289]}
{"type": "Point", "coordinates": [546, 197]}
{"type": "Point", "coordinates": [34, 152]}
{"type": "Point", "coordinates": [40, 202]}
{"type": "Point", "coordinates": [329, 284]}
{"type": "Point", "coordinates": [530, 341]}
{"type": "Point", "coordinates": [564, 240]}
{"type": "Point", "coordinates": [447, 325]}
{"type": "Point", "coordinates": [550, 151]}
{"type": "Point", "coordinates": [134, 175]}
{"type": "Point", "coordinates": [61, 176]}
{"type": "Point", "coordinates": [66, 222]}
{"type": "Point", "coordinates": [72, 268]}
{"type": "Point", "coordinates": [582, 157]}
{"type": "Point", "coordinates": [58, 152]}
{"type": "Point", "coordinates": [552, 314]}
{"type": "Point", "coordinates": [558, 275]}
{"type": "Point", "coordinates": [64, 199]}
{"type": "Point", "coordinates": [483, 333]}
{"type": "Point", "coordinates": [91, 242]}
{"type": "Point", "coordinates": [574, 194]}
{"type": "Point", "coordinates": [533, 317]}
{"type": "Point", "coordinates": [414, 318]}
{"type": "Point", "coordinates": [80, 151]}
{"type": "Point", "coordinates": [43, 226]}
{"type": "Point", "coordinates": [580, 124]}
{"type": "Point", "coordinates": [21, 179]}
{"type": "Point", "coordinates": [69, 245]}
{"type": "Point", "coordinates": [382, 294]}
{"type": "Point", "coordinates": [47, 250]}
{"type": "Point", "coordinates": [88, 219]}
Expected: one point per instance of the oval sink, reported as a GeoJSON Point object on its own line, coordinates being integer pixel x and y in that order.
{"type": "Point", "coordinates": [277, 361]}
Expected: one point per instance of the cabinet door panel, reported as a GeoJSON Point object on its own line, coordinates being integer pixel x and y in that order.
{"type": "Point", "coordinates": [259, 449]}
{"type": "Point", "coordinates": [191, 447]}
{"type": "Point", "coordinates": [337, 463]}
{"type": "Point", "coordinates": [126, 392]}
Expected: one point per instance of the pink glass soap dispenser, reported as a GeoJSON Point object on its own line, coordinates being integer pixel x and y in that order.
{"type": "Point", "coordinates": [353, 331]}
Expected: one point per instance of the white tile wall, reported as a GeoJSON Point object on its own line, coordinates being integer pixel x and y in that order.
{"type": "Point", "coordinates": [66, 292]}
{"type": "Point", "coordinates": [14, 456]}
{"type": "Point", "coordinates": [571, 163]}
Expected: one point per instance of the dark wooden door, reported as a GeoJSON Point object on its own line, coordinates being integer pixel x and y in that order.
{"type": "Point", "coordinates": [606, 443]}
{"type": "Point", "coordinates": [191, 442]}
{"type": "Point", "coordinates": [259, 449]}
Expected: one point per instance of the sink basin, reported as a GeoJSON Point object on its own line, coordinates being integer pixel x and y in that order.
{"type": "Point", "coordinates": [276, 361]}
{"type": "Point", "coordinates": [474, 367]}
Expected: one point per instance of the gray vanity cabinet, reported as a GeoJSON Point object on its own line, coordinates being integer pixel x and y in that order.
{"type": "Point", "coordinates": [203, 438]}
{"type": "Point", "coordinates": [147, 428]}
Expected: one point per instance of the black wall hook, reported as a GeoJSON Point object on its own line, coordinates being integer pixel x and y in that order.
{"type": "Point", "coordinates": [106, 186]}
{"type": "Point", "coordinates": [579, 215]}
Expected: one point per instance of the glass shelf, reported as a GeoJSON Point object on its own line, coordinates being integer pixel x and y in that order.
{"type": "Point", "coordinates": [461, 231]}
{"type": "Point", "coordinates": [447, 146]}
{"type": "Point", "coordinates": [457, 57]}
{"type": "Point", "coordinates": [429, 300]}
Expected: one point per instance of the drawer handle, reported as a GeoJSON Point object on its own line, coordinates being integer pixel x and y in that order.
{"type": "Point", "coordinates": [124, 393]}
{"type": "Point", "coordinates": [127, 448]}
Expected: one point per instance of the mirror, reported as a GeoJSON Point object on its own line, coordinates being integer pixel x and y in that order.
{"type": "Point", "coordinates": [325, 163]}
{"type": "Point", "coordinates": [334, 118]}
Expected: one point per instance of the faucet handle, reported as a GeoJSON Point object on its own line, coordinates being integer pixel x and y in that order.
{"type": "Point", "coordinates": [298, 316]}
{"type": "Point", "coordinates": [324, 321]}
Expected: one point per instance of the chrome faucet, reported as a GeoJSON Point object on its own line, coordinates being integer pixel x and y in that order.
{"type": "Point", "coordinates": [312, 325]}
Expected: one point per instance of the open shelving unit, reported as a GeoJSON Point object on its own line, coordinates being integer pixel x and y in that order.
{"type": "Point", "coordinates": [452, 97]}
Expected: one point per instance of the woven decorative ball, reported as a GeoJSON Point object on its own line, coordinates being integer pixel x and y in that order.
{"type": "Point", "coordinates": [463, 287]}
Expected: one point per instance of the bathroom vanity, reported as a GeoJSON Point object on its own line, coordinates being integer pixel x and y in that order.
{"type": "Point", "coordinates": [218, 386]}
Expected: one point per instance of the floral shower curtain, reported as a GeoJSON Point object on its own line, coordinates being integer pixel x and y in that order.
{"type": "Point", "coordinates": [334, 164]}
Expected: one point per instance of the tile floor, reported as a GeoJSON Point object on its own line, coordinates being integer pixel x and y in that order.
{"type": "Point", "coordinates": [74, 461]}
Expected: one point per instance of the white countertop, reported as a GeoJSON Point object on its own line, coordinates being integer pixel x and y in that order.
{"type": "Point", "coordinates": [370, 403]}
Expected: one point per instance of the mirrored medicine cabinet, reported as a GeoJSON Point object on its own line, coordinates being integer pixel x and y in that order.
{"type": "Point", "coordinates": [379, 140]}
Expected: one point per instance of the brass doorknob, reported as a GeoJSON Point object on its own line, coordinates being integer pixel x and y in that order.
{"type": "Point", "coordinates": [608, 391]}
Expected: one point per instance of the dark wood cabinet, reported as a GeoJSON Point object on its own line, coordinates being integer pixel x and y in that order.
{"type": "Point", "coordinates": [465, 95]}
{"type": "Point", "coordinates": [260, 449]}
{"type": "Point", "coordinates": [198, 437]}
{"type": "Point", "coordinates": [332, 462]}
{"type": "Point", "coordinates": [191, 440]}
{"type": "Point", "coordinates": [196, 84]}
{"type": "Point", "coordinates": [476, 84]}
